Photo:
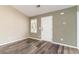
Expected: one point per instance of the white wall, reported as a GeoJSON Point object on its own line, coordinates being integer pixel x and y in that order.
{"type": "Point", "coordinates": [13, 25]}
{"type": "Point", "coordinates": [78, 26]}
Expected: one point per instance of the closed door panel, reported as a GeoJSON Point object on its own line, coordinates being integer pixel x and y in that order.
{"type": "Point", "coordinates": [46, 28]}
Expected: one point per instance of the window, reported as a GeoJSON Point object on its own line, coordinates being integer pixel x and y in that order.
{"type": "Point", "coordinates": [33, 25]}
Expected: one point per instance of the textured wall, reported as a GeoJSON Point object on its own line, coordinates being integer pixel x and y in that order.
{"type": "Point", "coordinates": [68, 30]}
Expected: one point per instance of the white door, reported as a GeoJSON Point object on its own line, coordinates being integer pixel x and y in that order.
{"type": "Point", "coordinates": [47, 28]}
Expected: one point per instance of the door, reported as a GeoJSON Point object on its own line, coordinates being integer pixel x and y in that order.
{"type": "Point", "coordinates": [47, 28]}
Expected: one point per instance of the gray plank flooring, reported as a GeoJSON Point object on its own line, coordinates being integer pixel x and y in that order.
{"type": "Point", "coordinates": [32, 46]}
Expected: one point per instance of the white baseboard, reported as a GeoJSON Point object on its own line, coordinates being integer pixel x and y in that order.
{"type": "Point", "coordinates": [55, 43]}
{"type": "Point", "coordinates": [12, 41]}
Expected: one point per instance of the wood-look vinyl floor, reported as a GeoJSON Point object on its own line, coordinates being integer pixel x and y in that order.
{"type": "Point", "coordinates": [32, 46]}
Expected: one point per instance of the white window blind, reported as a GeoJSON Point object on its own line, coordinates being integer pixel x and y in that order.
{"type": "Point", "coordinates": [33, 25]}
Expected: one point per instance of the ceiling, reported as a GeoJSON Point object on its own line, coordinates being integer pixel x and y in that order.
{"type": "Point", "coordinates": [32, 10]}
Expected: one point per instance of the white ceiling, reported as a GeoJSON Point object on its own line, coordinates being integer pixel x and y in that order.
{"type": "Point", "coordinates": [32, 10]}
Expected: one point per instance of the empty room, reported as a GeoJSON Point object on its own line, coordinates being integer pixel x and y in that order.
{"type": "Point", "coordinates": [39, 29]}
